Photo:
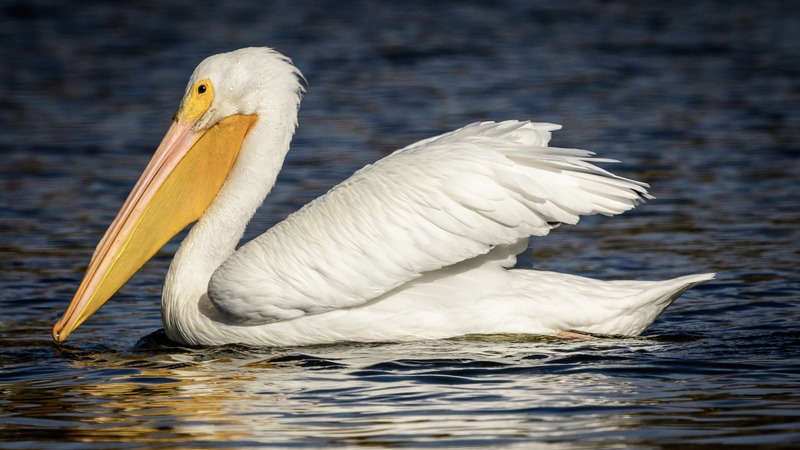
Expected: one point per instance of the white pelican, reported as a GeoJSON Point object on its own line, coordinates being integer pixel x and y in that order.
{"type": "Point", "coordinates": [419, 245]}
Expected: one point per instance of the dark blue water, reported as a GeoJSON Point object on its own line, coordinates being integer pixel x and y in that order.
{"type": "Point", "coordinates": [701, 99]}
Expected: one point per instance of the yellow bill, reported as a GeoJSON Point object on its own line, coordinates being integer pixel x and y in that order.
{"type": "Point", "coordinates": [184, 176]}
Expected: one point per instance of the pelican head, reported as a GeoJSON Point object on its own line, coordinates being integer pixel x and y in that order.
{"type": "Point", "coordinates": [227, 95]}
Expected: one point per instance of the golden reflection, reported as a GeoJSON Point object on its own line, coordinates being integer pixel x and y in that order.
{"type": "Point", "coordinates": [167, 398]}
{"type": "Point", "coordinates": [207, 397]}
{"type": "Point", "coordinates": [456, 391]}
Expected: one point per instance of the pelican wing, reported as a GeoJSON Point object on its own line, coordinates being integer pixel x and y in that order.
{"type": "Point", "coordinates": [427, 206]}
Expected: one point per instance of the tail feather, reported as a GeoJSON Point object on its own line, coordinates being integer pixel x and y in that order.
{"type": "Point", "coordinates": [564, 302]}
{"type": "Point", "coordinates": [642, 308]}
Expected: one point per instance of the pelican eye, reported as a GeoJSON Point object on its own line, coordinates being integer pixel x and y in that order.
{"type": "Point", "coordinates": [197, 101]}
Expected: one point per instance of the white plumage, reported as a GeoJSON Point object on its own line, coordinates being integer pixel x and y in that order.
{"type": "Point", "coordinates": [423, 208]}
{"type": "Point", "coordinates": [419, 245]}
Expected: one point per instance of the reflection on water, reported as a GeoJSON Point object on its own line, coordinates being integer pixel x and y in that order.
{"type": "Point", "coordinates": [697, 98]}
{"type": "Point", "coordinates": [463, 392]}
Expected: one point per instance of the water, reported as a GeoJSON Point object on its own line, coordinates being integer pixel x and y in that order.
{"type": "Point", "coordinates": [698, 98]}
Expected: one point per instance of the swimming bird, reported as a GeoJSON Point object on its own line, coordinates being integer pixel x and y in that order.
{"type": "Point", "coordinates": [420, 245]}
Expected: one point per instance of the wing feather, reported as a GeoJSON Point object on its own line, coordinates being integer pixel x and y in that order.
{"type": "Point", "coordinates": [430, 205]}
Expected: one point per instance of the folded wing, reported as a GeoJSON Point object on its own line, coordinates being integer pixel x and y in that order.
{"type": "Point", "coordinates": [430, 205]}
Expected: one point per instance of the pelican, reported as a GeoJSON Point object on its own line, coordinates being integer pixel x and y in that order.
{"type": "Point", "coordinates": [420, 245]}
